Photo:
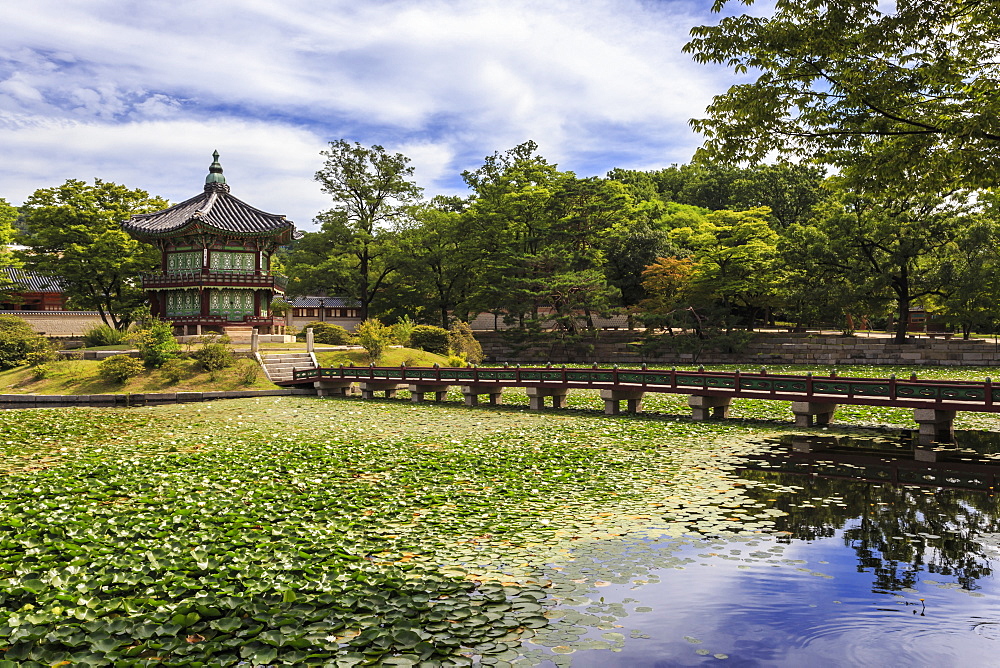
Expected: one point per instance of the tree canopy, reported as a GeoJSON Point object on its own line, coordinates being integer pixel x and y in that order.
{"type": "Point", "coordinates": [73, 234]}
{"type": "Point", "coordinates": [835, 78]}
{"type": "Point", "coordinates": [351, 254]}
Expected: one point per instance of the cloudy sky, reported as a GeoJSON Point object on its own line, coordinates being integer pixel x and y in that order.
{"type": "Point", "coordinates": [141, 92]}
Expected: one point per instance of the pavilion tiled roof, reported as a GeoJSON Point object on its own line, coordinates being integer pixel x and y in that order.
{"type": "Point", "coordinates": [29, 281]}
{"type": "Point", "coordinates": [214, 208]}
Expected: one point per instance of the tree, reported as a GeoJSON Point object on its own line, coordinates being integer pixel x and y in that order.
{"type": "Point", "coordinates": [73, 234]}
{"type": "Point", "coordinates": [371, 190]}
{"type": "Point", "coordinates": [438, 259]}
{"type": "Point", "coordinates": [837, 78]}
{"type": "Point", "coordinates": [883, 242]}
{"type": "Point", "coordinates": [668, 283]}
{"type": "Point", "coordinates": [737, 256]}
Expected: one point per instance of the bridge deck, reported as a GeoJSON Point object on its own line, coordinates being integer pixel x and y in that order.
{"type": "Point", "coordinates": [941, 395]}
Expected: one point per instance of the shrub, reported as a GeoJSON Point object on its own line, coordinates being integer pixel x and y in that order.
{"type": "Point", "coordinates": [41, 371]}
{"type": "Point", "coordinates": [215, 353]}
{"type": "Point", "coordinates": [374, 337]}
{"type": "Point", "coordinates": [119, 368]}
{"type": "Point", "coordinates": [247, 371]}
{"type": "Point", "coordinates": [464, 343]}
{"type": "Point", "coordinates": [280, 307]}
{"type": "Point", "coordinates": [430, 338]}
{"type": "Point", "coordinates": [402, 330]}
{"type": "Point", "coordinates": [156, 343]}
{"type": "Point", "coordinates": [18, 341]}
{"type": "Point", "coordinates": [173, 370]}
{"type": "Point", "coordinates": [104, 335]}
{"type": "Point", "coordinates": [326, 333]}
{"type": "Point", "coordinates": [42, 355]}
{"type": "Point", "coordinates": [456, 360]}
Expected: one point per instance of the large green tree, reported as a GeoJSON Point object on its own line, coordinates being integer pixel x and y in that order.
{"type": "Point", "coordinates": [72, 233]}
{"type": "Point", "coordinates": [880, 242]}
{"type": "Point", "coordinates": [352, 254]}
{"type": "Point", "coordinates": [835, 78]}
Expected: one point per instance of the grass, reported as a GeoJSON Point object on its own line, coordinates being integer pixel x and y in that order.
{"type": "Point", "coordinates": [81, 377]}
{"type": "Point", "coordinates": [392, 357]}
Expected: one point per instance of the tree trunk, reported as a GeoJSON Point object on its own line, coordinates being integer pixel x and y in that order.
{"type": "Point", "coordinates": [902, 314]}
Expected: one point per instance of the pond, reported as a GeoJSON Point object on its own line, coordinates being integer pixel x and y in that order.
{"type": "Point", "coordinates": [294, 531]}
{"type": "Point", "coordinates": [879, 560]}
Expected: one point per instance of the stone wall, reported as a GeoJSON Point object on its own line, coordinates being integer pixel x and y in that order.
{"type": "Point", "coordinates": [59, 324]}
{"type": "Point", "coordinates": [611, 347]}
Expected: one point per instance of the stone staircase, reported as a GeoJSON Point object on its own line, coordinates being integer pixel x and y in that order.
{"type": "Point", "coordinates": [238, 334]}
{"type": "Point", "coordinates": [279, 366]}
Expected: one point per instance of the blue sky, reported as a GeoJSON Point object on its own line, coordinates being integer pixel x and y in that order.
{"type": "Point", "coordinates": [141, 92]}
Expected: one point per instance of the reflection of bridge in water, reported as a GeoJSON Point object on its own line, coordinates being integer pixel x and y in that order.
{"type": "Point", "coordinates": [906, 464]}
{"type": "Point", "coordinates": [814, 398]}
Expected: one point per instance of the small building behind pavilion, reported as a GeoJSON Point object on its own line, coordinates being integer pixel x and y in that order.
{"type": "Point", "coordinates": [215, 268]}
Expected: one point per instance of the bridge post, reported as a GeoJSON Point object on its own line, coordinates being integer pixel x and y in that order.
{"type": "Point", "coordinates": [369, 388]}
{"type": "Point", "coordinates": [936, 426]}
{"type": "Point", "coordinates": [704, 407]}
{"type": "Point", "coordinates": [471, 394]}
{"type": "Point", "coordinates": [808, 413]}
{"type": "Point", "coordinates": [417, 392]}
{"type": "Point", "coordinates": [613, 399]}
{"type": "Point", "coordinates": [334, 388]}
{"type": "Point", "coordinates": [536, 397]}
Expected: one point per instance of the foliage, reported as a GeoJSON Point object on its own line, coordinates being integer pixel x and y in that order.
{"type": "Point", "coordinates": [280, 306]}
{"type": "Point", "coordinates": [457, 361]}
{"type": "Point", "coordinates": [882, 244]}
{"type": "Point", "coordinates": [911, 82]}
{"type": "Point", "coordinates": [104, 335]}
{"type": "Point", "coordinates": [463, 342]}
{"type": "Point", "coordinates": [401, 330]}
{"type": "Point", "coordinates": [73, 234]}
{"type": "Point", "coordinates": [215, 353]}
{"type": "Point", "coordinates": [669, 283]}
{"type": "Point", "coordinates": [352, 254]}
{"type": "Point", "coordinates": [430, 338]}
{"type": "Point", "coordinates": [247, 371]}
{"type": "Point", "coordinates": [173, 370]}
{"type": "Point", "coordinates": [327, 333]}
{"type": "Point", "coordinates": [155, 341]}
{"type": "Point", "coordinates": [374, 337]}
{"type": "Point", "coordinates": [19, 342]}
{"type": "Point", "coordinates": [119, 368]}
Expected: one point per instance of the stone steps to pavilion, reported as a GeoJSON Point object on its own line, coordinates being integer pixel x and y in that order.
{"type": "Point", "coordinates": [281, 365]}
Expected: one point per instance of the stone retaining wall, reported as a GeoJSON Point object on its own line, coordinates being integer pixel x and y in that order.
{"type": "Point", "coordinates": [612, 347]}
{"type": "Point", "coordinates": [128, 400]}
{"type": "Point", "coordinates": [59, 323]}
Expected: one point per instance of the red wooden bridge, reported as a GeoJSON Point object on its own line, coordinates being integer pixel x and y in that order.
{"type": "Point", "coordinates": [814, 398]}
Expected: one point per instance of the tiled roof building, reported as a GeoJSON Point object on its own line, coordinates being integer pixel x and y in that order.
{"type": "Point", "coordinates": [216, 250]}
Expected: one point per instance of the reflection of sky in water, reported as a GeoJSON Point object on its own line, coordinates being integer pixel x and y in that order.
{"type": "Point", "coordinates": [775, 600]}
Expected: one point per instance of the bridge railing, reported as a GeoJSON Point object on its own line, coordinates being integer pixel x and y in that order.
{"type": "Point", "coordinates": [762, 385]}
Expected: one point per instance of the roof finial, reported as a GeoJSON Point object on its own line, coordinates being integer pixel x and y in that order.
{"type": "Point", "coordinates": [215, 171]}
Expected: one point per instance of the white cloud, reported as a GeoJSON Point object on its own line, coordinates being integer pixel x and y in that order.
{"type": "Point", "coordinates": [597, 83]}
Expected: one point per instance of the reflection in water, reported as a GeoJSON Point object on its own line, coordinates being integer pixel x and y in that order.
{"type": "Point", "coordinates": [934, 522]}
{"type": "Point", "coordinates": [870, 557]}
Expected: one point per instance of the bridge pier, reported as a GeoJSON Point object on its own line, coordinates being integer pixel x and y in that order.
{"type": "Point", "coordinates": [417, 392]}
{"type": "Point", "coordinates": [704, 407]}
{"type": "Point", "coordinates": [471, 394]}
{"type": "Point", "coordinates": [613, 399]}
{"type": "Point", "coordinates": [536, 397]}
{"type": "Point", "coordinates": [369, 388]}
{"type": "Point", "coordinates": [808, 413]}
{"type": "Point", "coordinates": [334, 388]}
{"type": "Point", "coordinates": [936, 426]}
